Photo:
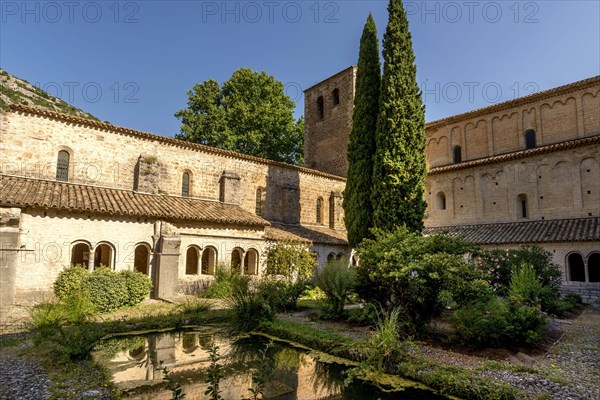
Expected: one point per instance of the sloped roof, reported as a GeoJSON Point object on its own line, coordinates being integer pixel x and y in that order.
{"type": "Point", "coordinates": [543, 231]}
{"type": "Point", "coordinates": [29, 192]}
{"type": "Point", "coordinates": [312, 234]}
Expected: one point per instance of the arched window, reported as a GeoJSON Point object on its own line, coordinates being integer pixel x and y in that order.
{"type": "Point", "coordinates": [594, 267]}
{"type": "Point", "coordinates": [189, 342]}
{"type": "Point", "coordinates": [440, 201]}
{"type": "Point", "coordinates": [251, 262]}
{"type": "Point", "coordinates": [319, 210]}
{"type": "Point", "coordinates": [258, 206]}
{"type": "Point", "coordinates": [332, 211]}
{"type": "Point", "coordinates": [209, 260]}
{"type": "Point", "coordinates": [185, 184]}
{"type": "Point", "coordinates": [320, 108]}
{"type": "Point", "coordinates": [141, 259]}
{"type": "Point", "coordinates": [530, 139]}
{"type": "Point", "coordinates": [62, 166]}
{"type": "Point", "coordinates": [336, 96]}
{"type": "Point", "coordinates": [236, 259]}
{"type": "Point", "coordinates": [80, 255]}
{"type": "Point", "coordinates": [576, 267]}
{"type": "Point", "coordinates": [457, 154]}
{"type": "Point", "coordinates": [331, 257]}
{"type": "Point", "coordinates": [339, 256]}
{"type": "Point", "coordinates": [191, 261]}
{"type": "Point", "coordinates": [522, 207]}
{"type": "Point", "coordinates": [103, 256]}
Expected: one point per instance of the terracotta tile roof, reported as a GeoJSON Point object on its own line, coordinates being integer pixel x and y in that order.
{"type": "Point", "coordinates": [164, 139]}
{"type": "Point", "coordinates": [570, 87]}
{"type": "Point", "coordinates": [543, 231]}
{"type": "Point", "coordinates": [27, 192]}
{"type": "Point", "coordinates": [313, 234]}
{"type": "Point", "coordinates": [516, 155]}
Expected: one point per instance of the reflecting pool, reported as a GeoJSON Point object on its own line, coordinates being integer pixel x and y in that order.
{"type": "Point", "coordinates": [294, 374]}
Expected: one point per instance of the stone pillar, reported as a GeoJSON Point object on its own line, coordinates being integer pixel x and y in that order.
{"type": "Point", "coordinates": [166, 275]}
{"type": "Point", "coordinates": [230, 188]}
{"type": "Point", "coordinates": [147, 174]}
{"type": "Point", "coordinates": [9, 254]}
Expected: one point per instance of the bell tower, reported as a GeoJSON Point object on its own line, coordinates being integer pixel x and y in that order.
{"type": "Point", "coordinates": [328, 108]}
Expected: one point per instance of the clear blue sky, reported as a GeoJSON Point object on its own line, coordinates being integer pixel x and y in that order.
{"type": "Point", "coordinates": [130, 62]}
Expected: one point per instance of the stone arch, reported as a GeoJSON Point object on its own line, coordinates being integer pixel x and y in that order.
{"type": "Point", "coordinates": [80, 253]}
{"type": "Point", "coordinates": [593, 266]}
{"type": "Point", "coordinates": [141, 258]}
{"type": "Point", "coordinates": [437, 151]}
{"type": "Point", "coordinates": [251, 262]}
{"type": "Point", "coordinates": [192, 257]}
{"type": "Point", "coordinates": [189, 342]}
{"type": "Point", "coordinates": [330, 257]}
{"type": "Point", "coordinates": [320, 108]}
{"type": "Point", "coordinates": [505, 130]}
{"type": "Point", "coordinates": [576, 267]}
{"type": "Point", "coordinates": [63, 165]}
{"type": "Point", "coordinates": [440, 201]}
{"type": "Point", "coordinates": [209, 260]}
{"type": "Point", "coordinates": [589, 170]}
{"type": "Point", "coordinates": [559, 120]}
{"type": "Point", "coordinates": [319, 211]}
{"type": "Point", "coordinates": [186, 183]}
{"type": "Point", "coordinates": [335, 96]}
{"type": "Point", "coordinates": [236, 259]}
{"type": "Point", "coordinates": [339, 256]}
{"type": "Point", "coordinates": [591, 117]}
{"type": "Point", "coordinates": [476, 139]}
{"type": "Point", "coordinates": [104, 254]}
{"type": "Point", "coordinates": [522, 206]}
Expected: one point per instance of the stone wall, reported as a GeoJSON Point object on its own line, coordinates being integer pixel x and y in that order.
{"type": "Point", "coordinates": [564, 184]}
{"type": "Point", "coordinates": [114, 158]}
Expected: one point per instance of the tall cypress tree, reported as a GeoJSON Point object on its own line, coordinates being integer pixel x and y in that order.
{"type": "Point", "coordinates": [358, 209]}
{"type": "Point", "coordinates": [399, 167]}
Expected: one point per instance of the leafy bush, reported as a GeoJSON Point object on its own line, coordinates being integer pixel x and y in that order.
{"type": "Point", "coordinates": [336, 279]}
{"type": "Point", "coordinates": [407, 271]}
{"type": "Point", "coordinates": [385, 347]}
{"type": "Point", "coordinates": [525, 286]}
{"type": "Point", "coordinates": [107, 290]}
{"type": "Point", "coordinates": [226, 283]}
{"type": "Point", "coordinates": [69, 281]}
{"type": "Point", "coordinates": [499, 265]}
{"type": "Point", "coordinates": [281, 294]}
{"type": "Point", "coordinates": [497, 321]}
{"type": "Point", "coordinates": [290, 259]}
{"type": "Point", "coordinates": [138, 286]}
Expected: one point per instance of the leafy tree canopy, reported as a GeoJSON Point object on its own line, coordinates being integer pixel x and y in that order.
{"type": "Point", "coordinates": [250, 113]}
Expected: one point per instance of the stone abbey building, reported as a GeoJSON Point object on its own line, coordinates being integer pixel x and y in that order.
{"type": "Point", "coordinates": [77, 191]}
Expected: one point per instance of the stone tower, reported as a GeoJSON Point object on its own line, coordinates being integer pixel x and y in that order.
{"type": "Point", "coordinates": [328, 108]}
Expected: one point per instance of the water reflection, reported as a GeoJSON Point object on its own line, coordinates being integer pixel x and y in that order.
{"type": "Point", "coordinates": [296, 375]}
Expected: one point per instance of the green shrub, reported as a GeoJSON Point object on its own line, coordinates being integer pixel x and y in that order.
{"type": "Point", "coordinates": [69, 281]}
{"type": "Point", "coordinates": [407, 271]}
{"type": "Point", "coordinates": [385, 347]}
{"type": "Point", "coordinates": [250, 309]}
{"type": "Point", "coordinates": [226, 283]}
{"type": "Point", "coordinates": [497, 321]}
{"type": "Point", "coordinates": [336, 279]}
{"type": "Point", "coordinates": [525, 286]}
{"type": "Point", "coordinates": [107, 289]}
{"type": "Point", "coordinates": [138, 286]}
{"type": "Point", "coordinates": [290, 259]}
{"type": "Point", "coordinates": [281, 294]}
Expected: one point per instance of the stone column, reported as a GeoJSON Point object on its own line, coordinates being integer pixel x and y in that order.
{"type": "Point", "coordinates": [167, 263]}
{"type": "Point", "coordinates": [230, 188]}
{"type": "Point", "coordinates": [9, 255]}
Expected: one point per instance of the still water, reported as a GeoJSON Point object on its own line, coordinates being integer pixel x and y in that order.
{"type": "Point", "coordinates": [294, 373]}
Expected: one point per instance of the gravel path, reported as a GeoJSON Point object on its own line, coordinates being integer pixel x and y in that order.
{"type": "Point", "coordinates": [22, 378]}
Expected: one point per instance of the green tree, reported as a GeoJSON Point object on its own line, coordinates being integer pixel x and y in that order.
{"type": "Point", "coordinates": [361, 144]}
{"type": "Point", "coordinates": [399, 167]}
{"type": "Point", "coordinates": [250, 113]}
